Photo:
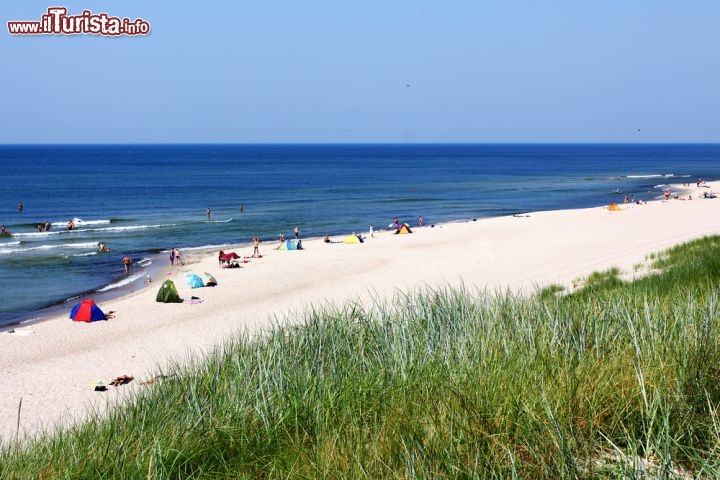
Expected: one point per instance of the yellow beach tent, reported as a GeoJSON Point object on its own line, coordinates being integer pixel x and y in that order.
{"type": "Point", "coordinates": [404, 229]}
{"type": "Point", "coordinates": [353, 239]}
{"type": "Point", "coordinates": [614, 207]}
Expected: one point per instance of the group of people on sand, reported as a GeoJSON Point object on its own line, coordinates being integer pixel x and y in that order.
{"type": "Point", "coordinates": [228, 260]}
{"type": "Point", "coordinates": [396, 223]}
{"type": "Point", "coordinates": [281, 237]}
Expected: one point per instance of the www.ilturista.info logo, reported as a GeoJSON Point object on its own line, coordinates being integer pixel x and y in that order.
{"type": "Point", "coordinates": [57, 21]}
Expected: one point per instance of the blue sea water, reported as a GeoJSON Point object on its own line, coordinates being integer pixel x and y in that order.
{"type": "Point", "coordinates": [144, 199]}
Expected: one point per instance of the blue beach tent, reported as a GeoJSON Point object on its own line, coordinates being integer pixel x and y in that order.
{"type": "Point", "coordinates": [194, 280]}
{"type": "Point", "coordinates": [291, 245]}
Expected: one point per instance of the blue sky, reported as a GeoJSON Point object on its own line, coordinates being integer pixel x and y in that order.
{"type": "Point", "coordinates": [371, 71]}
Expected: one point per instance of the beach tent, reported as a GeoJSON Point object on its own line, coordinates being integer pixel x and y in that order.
{"type": "Point", "coordinates": [194, 280]}
{"type": "Point", "coordinates": [404, 229]}
{"type": "Point", "coordinates": [209, 280]}
{"type": "Point", "coordinates": [87, 311]}
{"type": "Point", "coordinates": [614, 207]}
{"type": "Point", "coordinates": [353, 239]}
{"type": "Point", "coordinates": [168, 293]}
{"type": "Point", "coordinates": [291, 245]}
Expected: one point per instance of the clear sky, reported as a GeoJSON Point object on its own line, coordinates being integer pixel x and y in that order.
{"type": "Point", "coordinates": [282, 71]}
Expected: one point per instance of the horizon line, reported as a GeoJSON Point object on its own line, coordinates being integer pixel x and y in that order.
{"type": "Point", "coordinates": [110, 144]}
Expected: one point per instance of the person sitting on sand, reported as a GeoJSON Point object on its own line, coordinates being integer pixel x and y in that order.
{"type": "Point", "coordinates": [326, 239]}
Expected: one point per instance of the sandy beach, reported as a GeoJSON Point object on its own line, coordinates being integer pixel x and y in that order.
{"type": "Point", "coordinates": [51, 366]}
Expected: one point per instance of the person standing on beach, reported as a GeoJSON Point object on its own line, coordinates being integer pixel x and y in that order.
{"type": "Point", "coordinates": [297, 232]}
{"type": "Point", "coordinates": [172, 256]}
{"type": "Point", "coordinates": [127, 261]}
{"type": "Point", "coordinates": [420, 221]}
{"type": "Point", "coordinates": [256, 248]}
{"type": "Point", "coordinates": [178, 257]}
{"type": "Point", "coordinates": [371, 232]}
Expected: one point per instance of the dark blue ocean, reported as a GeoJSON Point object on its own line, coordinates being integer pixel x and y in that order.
{"type": "Point", "coordinates": [143, 200]}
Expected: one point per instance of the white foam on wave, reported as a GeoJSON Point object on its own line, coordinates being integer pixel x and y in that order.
{"type": "Point", "coordinates": [85, 230]}
{"type": "Point", "coordinates": [121, 283]}
{"type": "Point", "coordinates": [130, 227]}
{"type": "Point", "coordinates": [79, 221]}
{"type": "Point", "coordinates": [657, 175]}
{"type": "Point", "coordinates": [144, 262]}
{"type": "Point", "coordinates": [204, 247]}
{"type": "Point", "coordinates": [85, 254]}
{"type": "Point", "coordinates": [78, 245]}
{"type": "Point", "coordinates": [35, 234]}
{"type": "Point", "coordinates": [82, 245]}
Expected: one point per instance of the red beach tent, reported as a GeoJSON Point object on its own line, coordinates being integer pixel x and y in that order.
{"type": "Point", "coordinates": [87, 311]}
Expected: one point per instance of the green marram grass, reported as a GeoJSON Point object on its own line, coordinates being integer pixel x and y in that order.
{"type": "Point", "coordinates": [614, 380]}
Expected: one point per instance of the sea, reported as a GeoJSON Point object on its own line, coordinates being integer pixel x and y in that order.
{"type": "Point", "coordinates": [143, 200]}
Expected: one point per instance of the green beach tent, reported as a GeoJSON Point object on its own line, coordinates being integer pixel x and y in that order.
{"type": "Point", "coordinates": [168, 293]}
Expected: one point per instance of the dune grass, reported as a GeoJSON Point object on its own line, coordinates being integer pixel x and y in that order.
{"type": "Point", "coordinates": [616, 380]}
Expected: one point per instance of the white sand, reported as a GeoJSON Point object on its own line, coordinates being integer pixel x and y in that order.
{"type": "Point", "coordinates": [52, 368]}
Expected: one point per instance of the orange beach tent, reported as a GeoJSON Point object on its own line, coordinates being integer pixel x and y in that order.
{"type": "Point", "coordinates": [614, 207]}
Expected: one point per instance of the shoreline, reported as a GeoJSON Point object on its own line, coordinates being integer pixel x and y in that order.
{"type": "Point", "coordinates": [51, 368]}
{"type": "Point", "coordinates": [158, 259]}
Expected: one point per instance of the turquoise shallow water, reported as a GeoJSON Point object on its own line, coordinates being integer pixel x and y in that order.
{"type": "Point", "coordinates": [143, 200]}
